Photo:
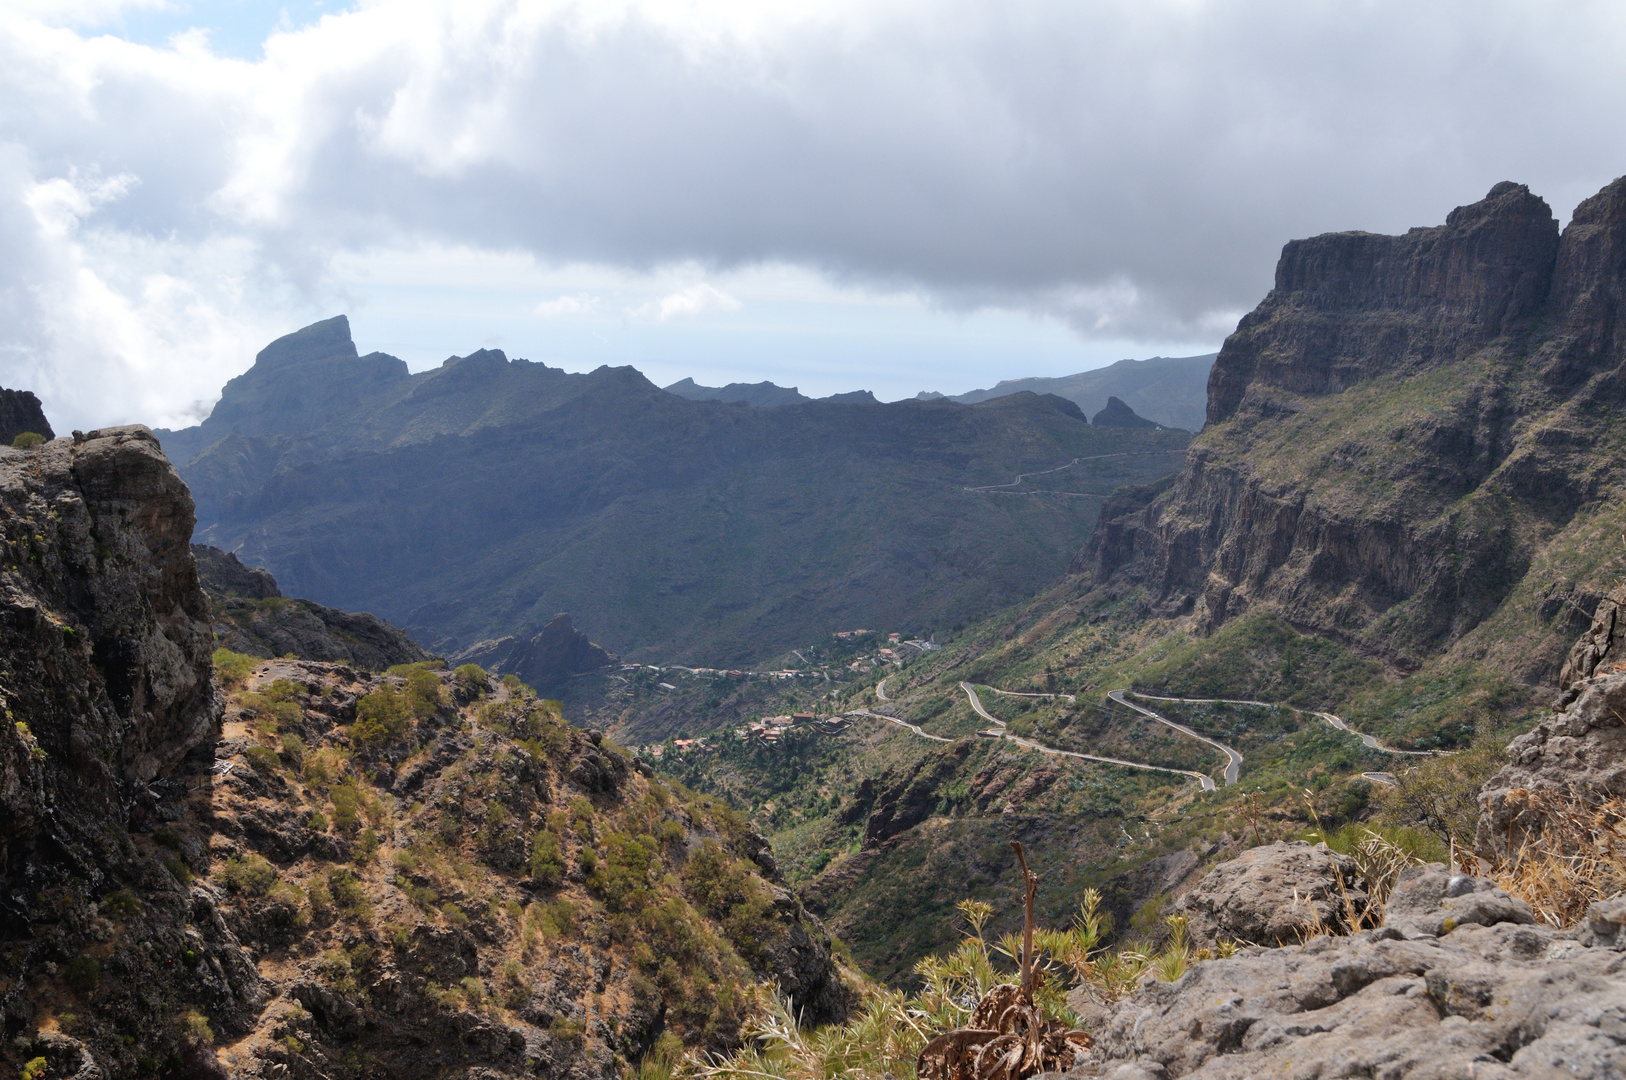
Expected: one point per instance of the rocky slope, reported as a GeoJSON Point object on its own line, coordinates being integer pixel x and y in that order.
{"type": "Point", "coordinates": [251, 616]}
{"type": "Point", "coordinates": [21, 414]}
{"type": "Point", "coordinates": [325, 872]}
{"type": "Point", "coordinates": [1409, 446]}
{"type": "Point", "coordinates": [479, 499]}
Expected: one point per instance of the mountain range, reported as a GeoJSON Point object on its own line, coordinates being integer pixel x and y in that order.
{"type": "Point", "coordinates": [1171, 391]}
{"type": "Point", "coordinates": [478, 500]}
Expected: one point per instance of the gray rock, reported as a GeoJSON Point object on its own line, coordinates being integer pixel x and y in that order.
{"type": "Point", "coordinates": [1432, 901]}
{"type": "Point", "coordinates": [1482, 1002]}
{"type": "Point", "coordinates": [1578, 748]}
{"type": "Point", "coordinates": [1599, 642]}
{"type": "Point", "coordinates": [1273, 895]}
{"type": "Point", "coordinates": [1604, 925]}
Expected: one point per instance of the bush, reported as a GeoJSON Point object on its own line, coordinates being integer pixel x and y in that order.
{"type": "Point", "coordinates": [625, 879]}
{"type": "Point", "coordinates": [232, 668]}
{"type": "Point", "coordinates": [473, 679]}
{"type": "Point", "coordinates": [346, 797]}
{"type": "Point", "coordinates": [264, 760]}
{"type": "Point", "coordinates": [121, 904]}
{"type": "Point", "coordinates": [84, 973]}
{"type": "Point", "coordinates": [381, 717]}
{"type": "Point", "coordinates": [252, 875]}
{"type": "Point", "coordinates": [293, 751]}
{"type": "Point", "coordinates": [348, 893]}
{"type": "Point", "coordinates": [36, 1068]}
{"type": "Point", "coordinates": [547, 861]}
{"type": "Point", "coordinates": [27, 440]}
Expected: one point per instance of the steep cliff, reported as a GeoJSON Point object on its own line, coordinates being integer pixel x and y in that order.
{"type": "Point", "coordinates": [104, 645]}
{"type": "Point", "coordinates": [1410, 444]}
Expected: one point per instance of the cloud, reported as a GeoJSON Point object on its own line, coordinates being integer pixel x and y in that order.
{"type": "Point", "coordinates": [565, 306]}
{"type": "Point", "coordinates": [692, 300]}
{"type": "Point", "coordinates": [1131, 167]}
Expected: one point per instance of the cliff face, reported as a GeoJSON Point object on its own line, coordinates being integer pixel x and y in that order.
{"type": "Point", "coordinates": [104, 641]}
{"type": "Point", "coordinates": [1405, 434]}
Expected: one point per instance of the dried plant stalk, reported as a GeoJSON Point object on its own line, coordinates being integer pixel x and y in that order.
{"type": "Point", "coordinates": [1006, 1038]}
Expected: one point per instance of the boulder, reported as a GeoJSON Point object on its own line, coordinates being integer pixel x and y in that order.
{"type": "Point", "coordinates": [1432, 901]}
{"type": "Point", "coordinates": [1499, 1001]}
{"type": "Point", "coordinates": [20, 412]}
{"type": "Point", "coordinates": [1273, 895]}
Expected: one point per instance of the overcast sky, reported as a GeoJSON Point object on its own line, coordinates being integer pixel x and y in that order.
{"type": "Point", "coordinates": [930, 194]}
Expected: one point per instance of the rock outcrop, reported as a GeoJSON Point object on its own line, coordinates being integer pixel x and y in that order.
{"type": "Point", "coordinates": [547, 661]}
{"type": "Point", "coordinates": [21, 413]}
{"type": "Point", "coordinates": [104, 646]}
{"type": "Point", "coordinates": [251, 616]}
{"type": "Point", "coordinates": [1499, 1001]}
{"type": "Point", "coordinates": [1398, 439]}
{"type": "Point", "coordinates": [1280, 894]}
{"type": "Point", "coordinates": [1118, 414]}
{"type": "Point", "coordinates": [1579, 750]}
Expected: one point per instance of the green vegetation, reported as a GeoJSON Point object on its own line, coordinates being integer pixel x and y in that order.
{"type": "Point", "coordinates": [28, 440]}
{"type": "Point", "coordinates": [232, 668]}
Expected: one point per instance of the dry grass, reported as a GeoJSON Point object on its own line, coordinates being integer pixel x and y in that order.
{"type": "Point", "coordinates": [1563, 852]}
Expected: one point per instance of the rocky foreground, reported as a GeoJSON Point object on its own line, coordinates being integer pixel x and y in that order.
{"type": "Point", "coordinates": [1458, 982]}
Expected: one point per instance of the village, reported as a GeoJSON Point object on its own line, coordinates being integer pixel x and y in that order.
{"type": "Point", "coordinates": [772, 729]}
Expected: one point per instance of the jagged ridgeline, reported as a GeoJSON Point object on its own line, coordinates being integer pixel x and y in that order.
{"type": "Point", "coordinates": [311, 870]}
{"type": "Point", "coordinates": [480, 499]}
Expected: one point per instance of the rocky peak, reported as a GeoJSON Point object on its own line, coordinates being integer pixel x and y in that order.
{"type": "Point", "coordinates": [1348, 306]}
{"type": "Point", "coordinates": [1119, 414]}
{"type": "Point", "coordinates": [297, 383]}
{"type": "Point", "coordinates": [546, 661]}
{"type": "Point", "coordinates": [20, 412]}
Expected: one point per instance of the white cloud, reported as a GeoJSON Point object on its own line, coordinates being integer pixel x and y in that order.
{"type": "Point", "coordinates": [698, 299]}
{"type": "Point", "coordinates": [565, 306]}
{"type": "Point", "coordinates": [1129, 166]}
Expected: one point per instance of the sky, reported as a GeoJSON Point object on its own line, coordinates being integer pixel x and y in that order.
{"type": "Point", "coordinates": [898, 196]}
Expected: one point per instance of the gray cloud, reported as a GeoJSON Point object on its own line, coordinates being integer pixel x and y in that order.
{"type": "Point", "coordinates": [1132, 168]}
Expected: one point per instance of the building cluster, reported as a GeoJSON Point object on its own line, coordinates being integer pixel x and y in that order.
{"type": "Point", "coordinates": [771, 729]}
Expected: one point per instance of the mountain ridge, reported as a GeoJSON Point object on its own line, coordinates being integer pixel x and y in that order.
{"type": "Point", "coordinates": [673, 530]}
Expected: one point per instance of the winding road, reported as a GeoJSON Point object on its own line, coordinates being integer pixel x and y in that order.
{"type": "Point", "coordinates": [1207, 782]}
{"type": "Point", "coordinates": [1233, 758]}
{"type": "Point", "coordinates": [999, 489]}
{"type": "Point", "coordinates": [901, 723]}
{"type": "Point", "coordinates": [880, 689]}
{"type": "Point", "coordinates": [1371, 741]}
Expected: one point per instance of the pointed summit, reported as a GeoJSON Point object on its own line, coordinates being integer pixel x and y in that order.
{"type": "Point", "coordinates": [1117, 414]}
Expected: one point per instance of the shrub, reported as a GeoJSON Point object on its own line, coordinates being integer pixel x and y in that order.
{"type": "Point", "coordinates": [454, 914]}
{"type": "Point", "coordinates": [36, 1068]}
{"type": "Point", "coordinates": [547, 861]}
{"type": "Point", "coordinates": [232, 668]}
{"type": "Point", "coordinates": [84, 973]}
{"type": "Point", "coordinates": [27, 440]}
{"type": "Point", "coordinates": [121, 904]}
{"type": "Point", "coordinates": [346, 798]}
{"type": "Point", "coordinates": [366, 847]}
{"type": "Point", "coordinates": [348, 894]}
{"type": "Point", "coordinates": [381, 717]}
{"type": "Point", "coordinates": [251, 875]}
{"type": "Point", "coordinates": [293, 750]}
{"type": "Point", "coordinates": [177, 868]}
{"type": "Point", "coordinates": [473, 679]}
{"type": "Point", "coordinates": [317, 822]}
{"type": "Point", "coordinates": [264, 760]}
{"type": "Point", "coordinates": [625, 878]}
{"type": "Point", "coordinates": [195, 1027]}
